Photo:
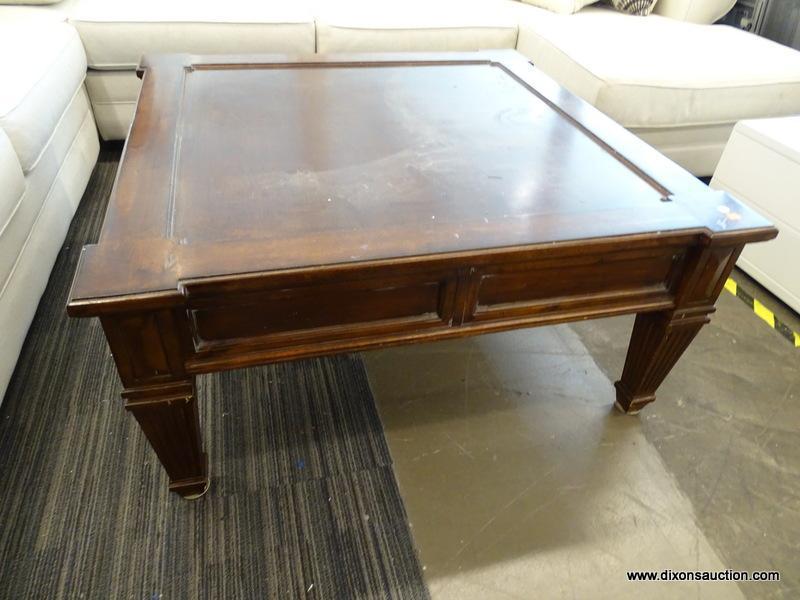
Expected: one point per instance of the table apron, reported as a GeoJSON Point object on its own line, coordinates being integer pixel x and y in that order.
{"type": "Point", "coordinates": [304, 315]}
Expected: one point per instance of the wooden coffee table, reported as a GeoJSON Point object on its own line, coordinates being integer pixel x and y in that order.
{"type": "Point", "coordinates": [271, 208]}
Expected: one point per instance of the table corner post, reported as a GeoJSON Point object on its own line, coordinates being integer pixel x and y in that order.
{"type": "Point", "coordinates": [659, 338]}
{"type": "Point", "coordinates": [150, 349]}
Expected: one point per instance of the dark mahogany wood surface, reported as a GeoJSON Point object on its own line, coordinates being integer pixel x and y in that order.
{"type": "Point", "coordinates": [271, 208]}
{"type": "Point", "coordinates": [258, 164]}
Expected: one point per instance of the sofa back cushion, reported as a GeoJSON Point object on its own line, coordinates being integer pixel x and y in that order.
{"type": "Point", "coordinates": [694, 11]}
{"type": "Point", "coordinates": [416, 25]}
{"type": "Point", "coordinates": [566, 7]}
{"type": "Point", "coordinates": [116, 34]}
{"type": "Point", "coordinates": [43, 65]}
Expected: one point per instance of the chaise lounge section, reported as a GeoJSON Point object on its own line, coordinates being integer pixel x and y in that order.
{"type": "Point", "coordinates": [679, 86]}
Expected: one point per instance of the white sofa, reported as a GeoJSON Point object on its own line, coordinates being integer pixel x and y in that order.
{"type": "Point", "coordinates": [673, 79]}
{"type": "Point", "coordinates": [48, 147]}
{"type": "Point", "coordinates": [679, 85]}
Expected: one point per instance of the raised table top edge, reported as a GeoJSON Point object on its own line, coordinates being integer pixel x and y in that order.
{"type": "Point", "coordinates": [89, 293]}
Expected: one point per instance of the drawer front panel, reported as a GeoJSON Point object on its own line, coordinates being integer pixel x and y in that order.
{"type": "Point", "coordinates": [543, 286]}
{"type": "Point", "coordinates": [327, 311]}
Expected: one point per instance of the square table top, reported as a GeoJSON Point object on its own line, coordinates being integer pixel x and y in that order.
{"type": "Point", "coordinates": [264, 163]}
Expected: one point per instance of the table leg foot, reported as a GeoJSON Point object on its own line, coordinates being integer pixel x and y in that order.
{"type": "Point", "coordinates": [191, 489]}
{"type": "Point", "coordinates": [167, 414]}
{"type": "Point", "coordinates": [657, 342]}
{"type": "Point", "coordinates": [629, 404]}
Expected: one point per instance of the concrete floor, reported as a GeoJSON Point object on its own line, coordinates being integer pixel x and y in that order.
{"type": "Point", "coordinates": [521, 481]}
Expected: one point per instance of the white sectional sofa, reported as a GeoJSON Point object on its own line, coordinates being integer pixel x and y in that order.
{"type": "Point", "coordinates": [48, 147]}
{"type": "Point", "coordinates": [673, 79]}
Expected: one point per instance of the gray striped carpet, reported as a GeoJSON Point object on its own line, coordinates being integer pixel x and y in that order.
{"type": "Point", "coordinates": [303, 502]}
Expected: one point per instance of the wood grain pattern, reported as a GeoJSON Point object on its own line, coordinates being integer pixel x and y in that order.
{"type": "Point", "coordinates": [377, 200]}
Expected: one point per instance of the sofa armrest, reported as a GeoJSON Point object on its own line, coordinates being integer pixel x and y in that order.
{"type": "Point", "coordinates": [694, 11]}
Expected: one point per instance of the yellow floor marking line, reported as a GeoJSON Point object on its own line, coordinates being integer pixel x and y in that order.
{"type": "Point", "coordinates": [763, 312]}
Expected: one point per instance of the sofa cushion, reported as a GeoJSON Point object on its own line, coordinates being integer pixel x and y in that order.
{"type": "Point", "coordinates": [414, 25]}
{"type": "Point", "coordinates": [659, 72]}
{"type": "Point", "coordinates": [117, 34]}
{"type": "Point", "coordinates": [33, 234]}
{"type": "Point", "coordinates": [694, 11]}
{"type": "Point", "coordinates": [12, 181]}
{"type": "Point", "coordinates": [43, 65]}
{"type": "Point", "coordinates": [54, 164]}
{"type": "Point", "coordinates": [58, 11]}
{"type": "Point", "coordinates": [565, 7]}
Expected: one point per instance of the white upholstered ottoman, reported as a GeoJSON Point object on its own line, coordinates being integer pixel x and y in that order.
{"type": "Point", "coordinates": [761, 166]}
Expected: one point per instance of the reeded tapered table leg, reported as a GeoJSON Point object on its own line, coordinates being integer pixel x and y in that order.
{"type": "Point", "coordinates": [657, 342]}
{"type": "Point", "coordinates": [168, 417]}
{"type": "Point", "coordinates": [659, 338]}
{"type": "Point", "coordinates": [150, 350]}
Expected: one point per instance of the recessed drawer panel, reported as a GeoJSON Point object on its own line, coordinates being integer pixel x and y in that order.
{"type": "Point", "coordinates": [541, 286]}
{"type": "Point", "coordinates": [324, 311]}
